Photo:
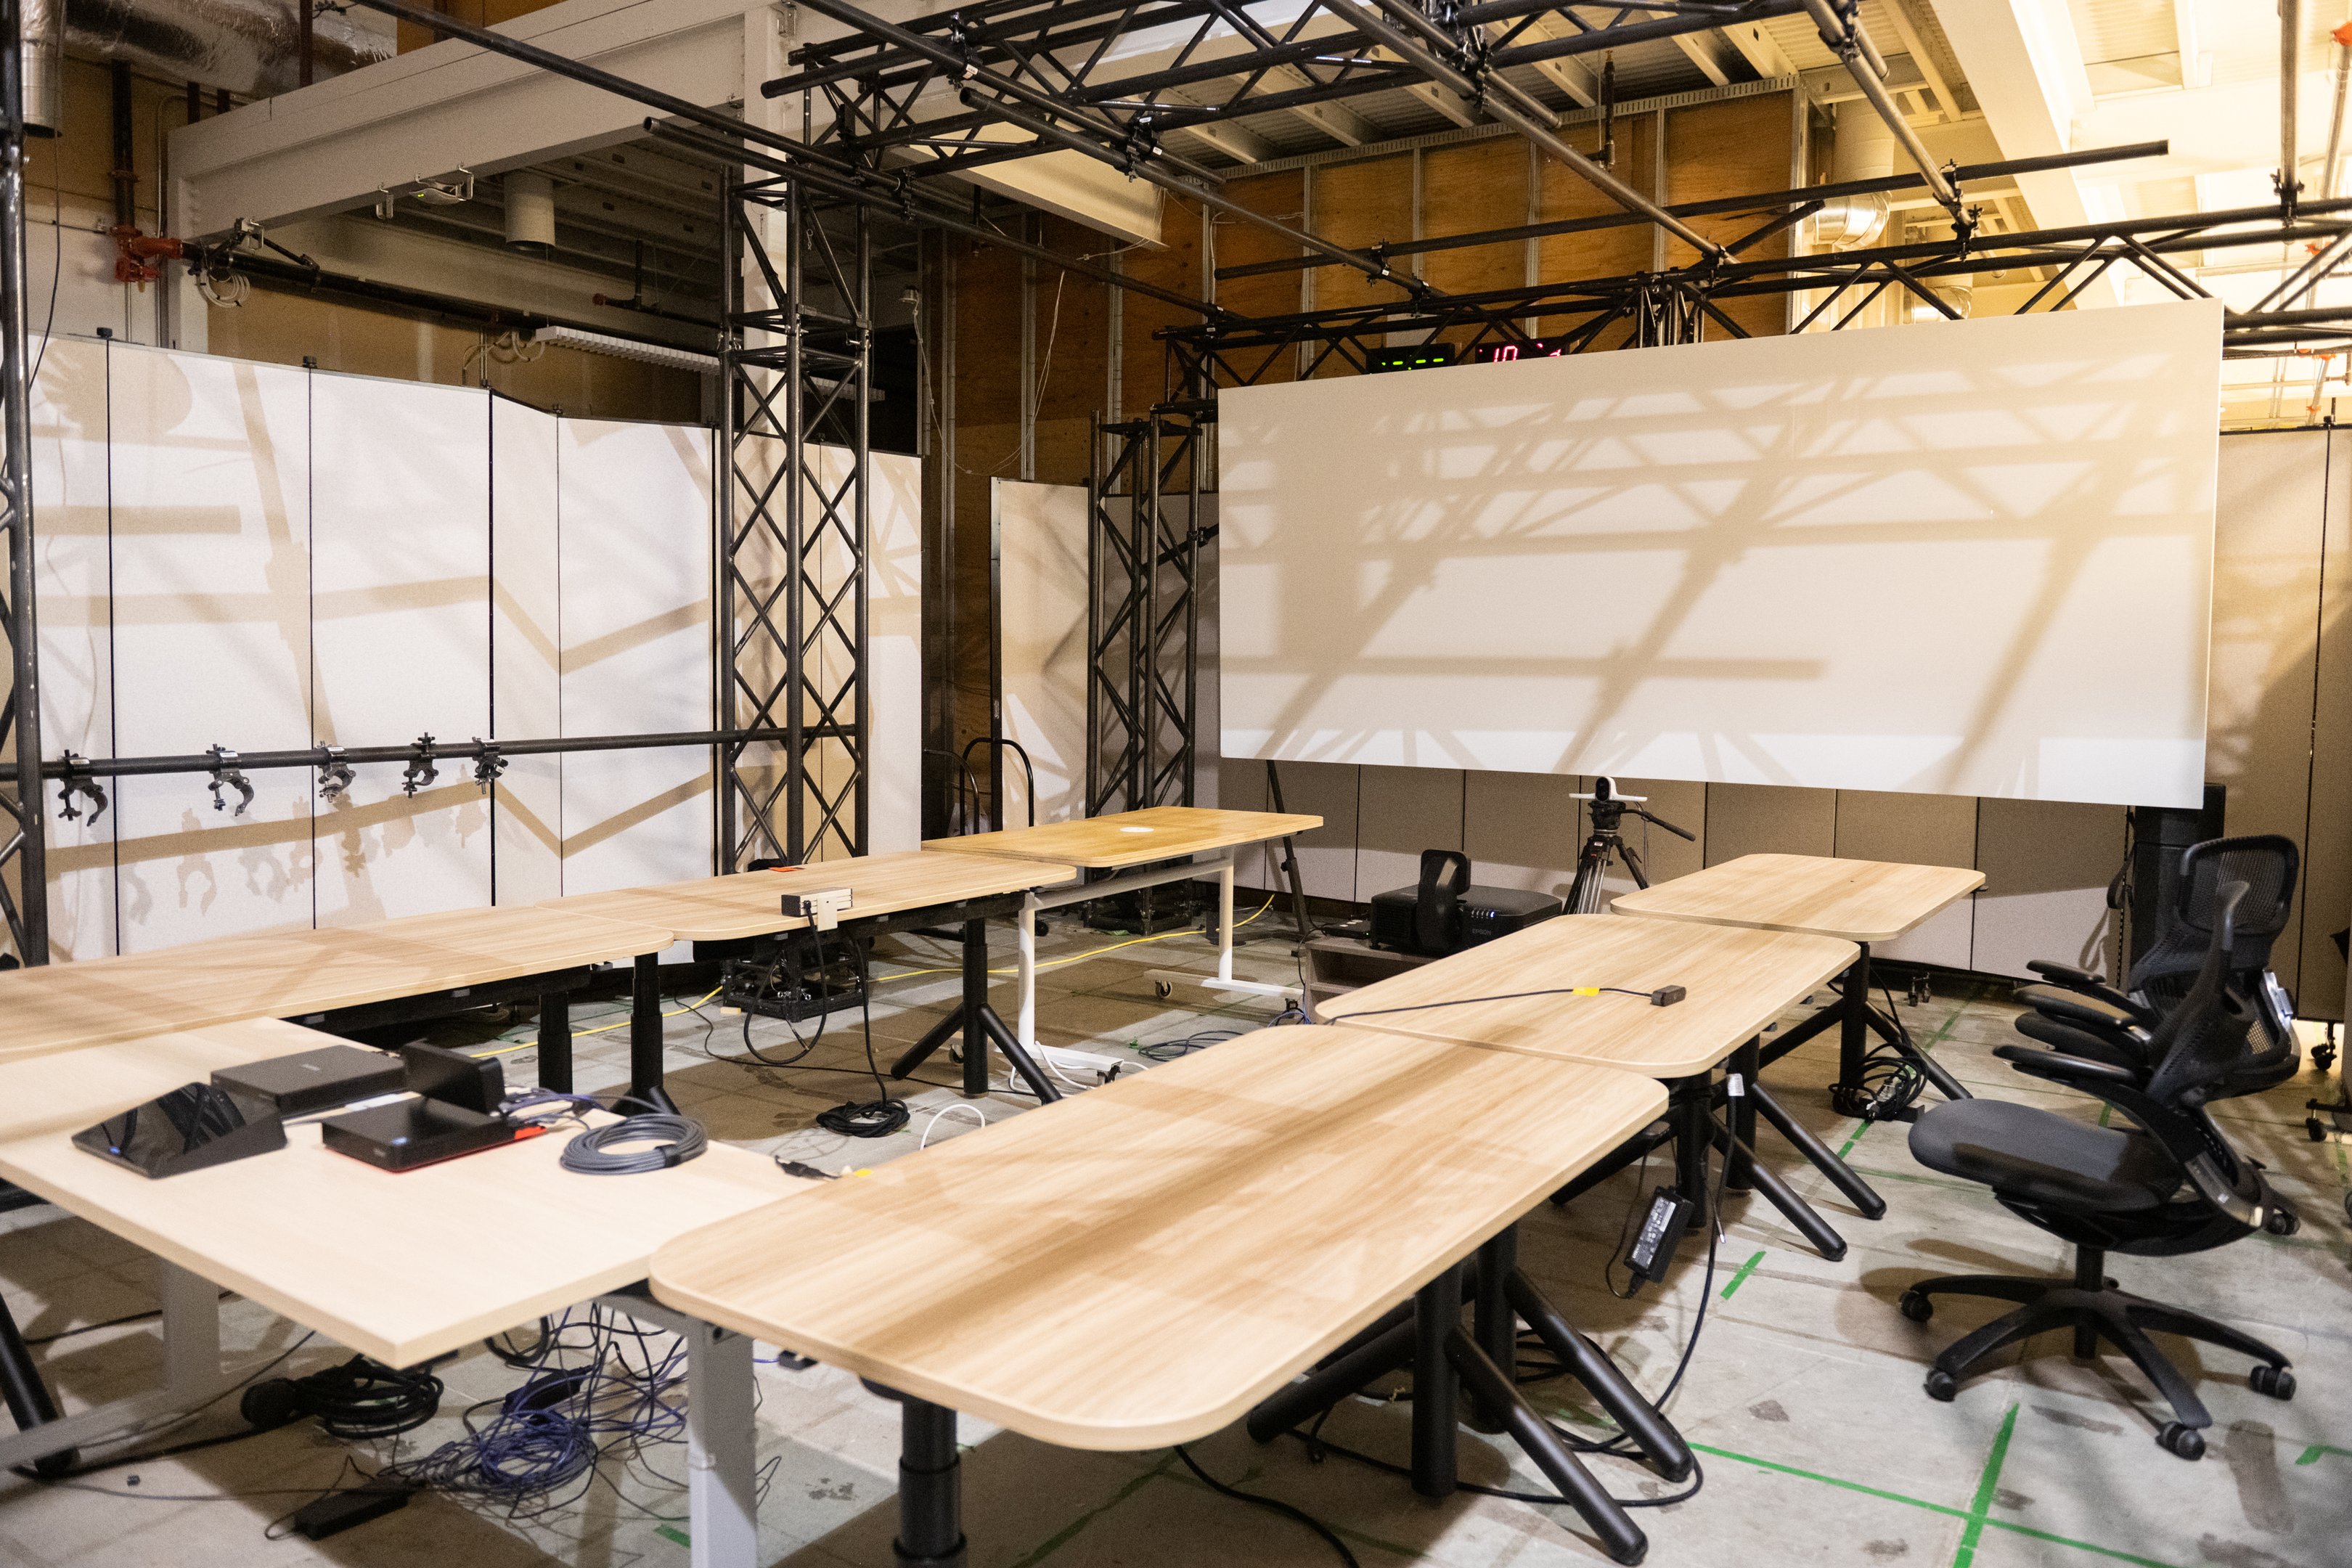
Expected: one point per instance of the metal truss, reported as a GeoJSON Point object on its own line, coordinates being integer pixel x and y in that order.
{"type": "Point", "coordinates": [24, 848]}
{"type": "Point", "coordinates": [1145, 492]}
{"type": "Point", "coordinates": [1623, 310]}
{"type": "Point", "coordinates": [792, 519]}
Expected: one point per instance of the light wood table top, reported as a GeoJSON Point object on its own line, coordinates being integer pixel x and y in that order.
{"type": "Point", "coordinates": [295, 973]}
{"type": "Point", "coordinates": [1133, 837]}
{"type": "Point", "coordinates": [1738, 980]}
{"type": "Point", "coordinates": [1859, 900]}
{"type": "Point", "coordinates": [398, 1266]}
{"type": "Point", "coordinates": [750, 903]}
{"type": "Point", "coordinates": [1140, 1265]}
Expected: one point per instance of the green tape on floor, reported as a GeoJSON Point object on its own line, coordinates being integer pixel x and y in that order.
{"type": "Point", "coordinates": [2311, 1455]}
{"type": "Point", "coordinates": [1745, 1270]}
{"type": "Point", "coordinates": [673, 1533]}
{"type": "Point", "coordinates": [1068, 1532]}
{"type": "Point", "coordinates": [1933, 1041]}
{"type": "Point", "coordinates": [1988, 1483]}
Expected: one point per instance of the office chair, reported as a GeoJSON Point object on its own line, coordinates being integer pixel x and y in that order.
{"type": "Point", "coordinates": [2168, 1185]}
{"type": "Point", "coordinates": [2080, 1015]}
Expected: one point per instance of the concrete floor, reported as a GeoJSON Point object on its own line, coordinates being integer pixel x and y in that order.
{"type": "Point", "coordinates": [1803, 1398]}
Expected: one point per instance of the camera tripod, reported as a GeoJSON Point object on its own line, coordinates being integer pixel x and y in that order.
{"type": "Point", "coordinates": [1609, 809]}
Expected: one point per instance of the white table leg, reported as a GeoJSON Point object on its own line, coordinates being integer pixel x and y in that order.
{"type": "Point", "coordinates": [192, 1347]}
{"type": "Point", "coordinates": [1225, 920]}
{"type": "Point", "coordinates": [721, 1450]}
{"type": "Point", "coordinates": [1025, 1025]}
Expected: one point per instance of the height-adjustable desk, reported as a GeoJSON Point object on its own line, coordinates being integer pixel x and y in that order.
{"type": "Point", "coordinates": [1736, 982]}
{"type": "Point", "coordinates": [1860, 901]}
{"type": "Point", "coordinates": [1200, 839]}
{"type": "Point", "coordinates": [337, 977]}
{"type": "Point", "coordinates": [398, 1266]}
{"type": "Point", "coordinates": [887, 892]}
{"type": "Point", "coordinates": [1259, 1203]}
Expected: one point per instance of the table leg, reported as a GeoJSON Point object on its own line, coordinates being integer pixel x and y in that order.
{"type": "Point", "coordinates": [1853, 1021]}
{"type": "Point", "coordinates": [555, 1041]}
{"type": "Point", "coordinates": [20, 1381]}
{"type": "Point", "coordinates": [1493, 1323]}
{"type": "Point", "coordinates": [930, 1488]}
{"type": "Point", "coordinates": [1694, 1114]}
{"type": "Point", "coordinates": [645, 1033]}
{"type": "Point", "coordinates": [1027, 923]}
{"type": "Point", "coordinates": [1742, 1107]}
{"type": "Point", "coordinates": [192, 1347]}
{"type": "Point", "coordinates": [975, 998]}
{"type": "Point", "coordinates": [1225, 920]}
{"type": "Point", "coordinates": [721, 1449]}
{"type": "Point", "coordinates": [1437, 1320]}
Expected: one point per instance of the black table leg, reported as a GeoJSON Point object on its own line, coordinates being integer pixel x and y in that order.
{"type": "Point", "coordinates": [1853, 1021]}
{"type": "Point", "coordinates": [28, 1396]}
{"type": "Point", "coordinates": [938, 1035]}
{"type": "Point", "coordinates": [1692, 1113]}
{"type": "Point", "coordinates": [1385, 1347]}
{"type": "Point", "coordinates": [1857, 1191]}
{"type": "Point", "coordinates": [645, 1035]}
{"type": "Point", "coordinates": [1742, 1067]}
{"type": "Point", "coordinates": [975, 1002]}
{"type": "Point", "coordinates": [1590, 1365]}
{"type": "Point", "coordinates": [1436, 1322]}
{"type": "Point", "coordinates": [1493, 1323]}
{"type": "Point", "coordinates": [1490, 1385]}
{"type": "Point", "coordinates": [555, 1041]}
{"type": "Point", "coordinates": [930, 1488]}
{"type": "Point", "coordinates": [1783, 1197]}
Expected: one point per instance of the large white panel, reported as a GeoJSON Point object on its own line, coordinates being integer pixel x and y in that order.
{"type": "Point", "coordinates": [211, 476]}
{"type": "Point", "coordinates": [635, 565]}
{"type": "Point", "coordinates": [1981, 566]}
{"type": "Point", "coordinates": [73, 596]}
{"type": "Point", "coordinates": [525, 660]}
{"type": "Point", "coordinates": [401, 608]}
{"type": "Point", "coordinates": [894, 653]}
{"type": "Point", "coordinates": [1040, 621]}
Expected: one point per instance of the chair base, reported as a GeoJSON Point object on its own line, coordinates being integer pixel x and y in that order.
{"type": "Point", "coordinates": [2092, 1306]}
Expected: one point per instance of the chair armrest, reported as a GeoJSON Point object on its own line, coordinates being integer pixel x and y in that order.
{"type": "Point", "coordinates": [2074, 1008]}
{"type": "Point", "coordinates": [2074, 1071]}
{"type": "Point", "coordinates": [2085, 1040]}
{"type": "Point", "coordinates": [2066, 977]}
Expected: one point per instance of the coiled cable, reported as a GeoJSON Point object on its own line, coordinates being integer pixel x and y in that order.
{"type": "Point", "coordinates": [675, 1140]}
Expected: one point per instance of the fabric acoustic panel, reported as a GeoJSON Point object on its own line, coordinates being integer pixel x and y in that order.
{"type": "Point", "coordinates": [894, 650]}
{"type": "Point", "coordinates": [1972, 558]}
{"type": "Point", "coordinates": [1041, 628]}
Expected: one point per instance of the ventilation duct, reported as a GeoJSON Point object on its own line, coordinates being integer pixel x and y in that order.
{"type": "Point", "coordinates": [531, 209]}
{"type": "Point", "coordinates": [44, 56]}
{"type": "Point", "coordinates": [1863, 150]}
{"type": "Point", "coordinates": [252, 48]}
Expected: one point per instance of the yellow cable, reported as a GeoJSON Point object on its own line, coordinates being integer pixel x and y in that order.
{"type": "Point", "coordinates": [1080, 957]}
{"type": "Point", "coordinates": [606, 1028]}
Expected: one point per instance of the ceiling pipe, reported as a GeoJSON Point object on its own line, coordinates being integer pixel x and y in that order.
{"type": "Point", "coordinates": [251, 48]}
{"type": "Point", "coordinates": [1846, 40]}
{"type": "Point", "coordinates": [2330, 168]}
{"type": "Point", "coordinates": [1515, 109]}
{"type": "Point", "coordinates": [2290, 181]}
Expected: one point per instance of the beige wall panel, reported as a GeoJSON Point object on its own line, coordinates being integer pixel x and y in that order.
{"type": "Point", "coordinates": [401, 628]}
{"type": "Point", "coordinates": [1404, 811]}
{"type": "Point", "coordinates": [73, 574]}
{"type": "Point", "coordinates": [1769, 819]}
{"type": "Point", "coordinates": [526, 637]}
{"type": "Point", "coordinates": [1917, 830]}
{"type": "Point", "coordinates": [894, 651]}
{"type": "Point", "coordinates": [1521, 830]}
{"type": "Point", "coordinates": [1665, 857]}
{"type": "Point", "coordinates": [2047, 865]}
{"type": "Point", "coordinates": [2270, 513]}
{"type": "Point", "coordinates": [210, 467]}
{"type": "Point", "coordinates": [1241, 786]}
{"type": "Point", "coordinates": [2327, 848]}
{"type": "Point", "coordinates": [1327, 857]}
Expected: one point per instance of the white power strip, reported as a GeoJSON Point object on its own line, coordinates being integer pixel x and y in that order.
{"type": "Point", "coordinates": [1084, 1064]}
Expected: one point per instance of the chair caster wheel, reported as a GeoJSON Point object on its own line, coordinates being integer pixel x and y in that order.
{"type": "Point", "coordinates": [1163, 989]}
{"type": "Point", "coordinates": [2186, 1441]}
{"type": "Point", "coordinates": [2278, 1382]}
{"type": "Point", "coordinates": [1917, 1307]}
{"type": "Point", "coordinates": [1943, 1385]}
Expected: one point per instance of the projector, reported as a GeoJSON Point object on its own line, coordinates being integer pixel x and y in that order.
{"type": "Point", "coordinates": [1445, 913]}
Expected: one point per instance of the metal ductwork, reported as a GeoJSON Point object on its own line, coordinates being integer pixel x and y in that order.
{"type": "Point", "coordinates": [252, 48]}
{"type": "Point", "coordinates": [44, 56]}
{"type": "Point", "coordinates": [1863, 150]}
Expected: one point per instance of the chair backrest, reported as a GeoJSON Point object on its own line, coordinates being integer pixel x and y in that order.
{"type": "Point", "coordinates": [2266, 863]}
{"type": "Point", "coordinates": [2205, 1037]}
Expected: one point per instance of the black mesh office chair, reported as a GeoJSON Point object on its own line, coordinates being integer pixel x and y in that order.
{"type": "Point", "coordinates": [2168, 1184]}
{"type": "Point", "coordinates": [2078, 1013]}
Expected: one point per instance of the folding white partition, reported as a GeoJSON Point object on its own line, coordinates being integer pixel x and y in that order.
{"type": "Point", "coordinates": [401, 612]}
{"type": "Point", "coordinates": [634, 577]}
{"type": "Point", "coordinates": [894, 652]}
{"type": "Point", "coordinates": [211, 524]}
{"type": "Point", "coordinates": [1041, 629]}
{"type": "Point", "coordinates": [526, 650]}
{"type": "Point", "coordinates": [74, 593]}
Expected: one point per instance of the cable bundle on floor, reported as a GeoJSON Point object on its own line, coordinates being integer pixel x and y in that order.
{"type": "Point", "coordinates": [675, 1140]}
{"type": "Point", "coordinates": [359, 1399]}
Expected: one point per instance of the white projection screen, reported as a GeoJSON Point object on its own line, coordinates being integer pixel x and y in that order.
{"type": "Point", "coordinates": [1957, 558]}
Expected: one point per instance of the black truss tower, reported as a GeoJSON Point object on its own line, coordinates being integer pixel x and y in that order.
{"type": "Point", "coordinates": [1147, 492]}
{"type": "Point", "coordinates": [791, 519]}
{"type": "Point", "coordinates": [23, 843]}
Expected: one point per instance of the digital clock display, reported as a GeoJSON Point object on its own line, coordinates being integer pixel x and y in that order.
{"type": "Point", "coordinates": [1500, 354]}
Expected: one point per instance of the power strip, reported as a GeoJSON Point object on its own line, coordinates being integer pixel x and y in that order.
{"type": "Point", "coordinates": [1083, 1064]}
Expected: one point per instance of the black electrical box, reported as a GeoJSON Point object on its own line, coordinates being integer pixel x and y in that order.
{"type": "Point", "coordinates": [1446, 913]}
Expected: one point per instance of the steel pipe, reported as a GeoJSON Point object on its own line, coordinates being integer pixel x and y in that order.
{"type": "Point", "coordinates": [357, 756]}
{"type": "Point", "coordinates": [1863, 63]}
{"type": "Point", "coordinates": [2290, 177]}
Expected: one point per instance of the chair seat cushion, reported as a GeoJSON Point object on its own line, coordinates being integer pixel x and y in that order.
{"type": "Point", "coordinates": [2041, 1157]}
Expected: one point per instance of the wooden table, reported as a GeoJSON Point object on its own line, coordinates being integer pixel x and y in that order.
{"type": "Point", "coordinates": [1861, 901]}
{"type": "Point", "coordinates": [398, 1266]}
{"type": "Point", "coordinates": [1243, 1210]}
{"type": "Point", "coordinates": [918, 889]}
{"type": "Point", "coordinates": [1736, 981]}
{"type": "Point", "coordinates": [1135, 842]}
{"type": "Point", "coordinates": [462, 957]}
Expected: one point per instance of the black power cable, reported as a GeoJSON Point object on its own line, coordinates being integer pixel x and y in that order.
{"type": "Point", "coordinates": [1276, 1504]}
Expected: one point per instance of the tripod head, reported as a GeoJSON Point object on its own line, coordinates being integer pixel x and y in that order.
{"type": "Point", "coordinates": [1609, 809]}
